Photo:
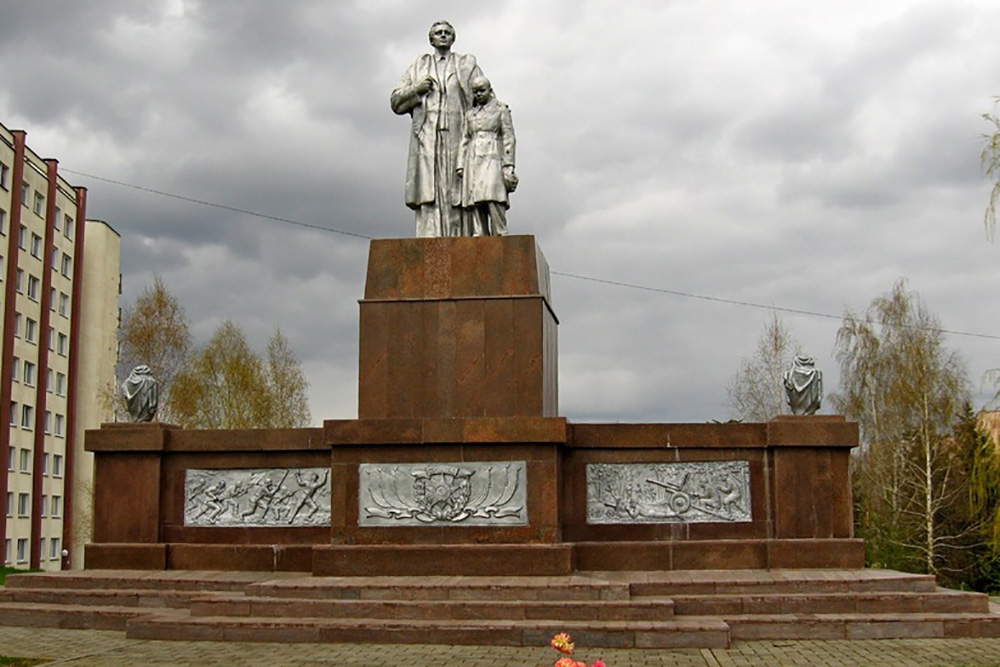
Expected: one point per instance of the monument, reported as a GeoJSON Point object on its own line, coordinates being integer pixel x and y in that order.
{"type": "Point", "coordinates": [460, 467]}
{"type": "Point", "coordinates": [142, 394]}
{"type": "Point", "coordinates": [459, 462]}
{"type": "Point", "coordinates": [803, 386]}
{"type": "Point", "coordinates": [461, 157]}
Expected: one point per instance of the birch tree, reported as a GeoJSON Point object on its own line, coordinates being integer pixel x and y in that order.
{"type": "Point", "coordinates": [228, 385]}
{"type": "Point", "coordinates": [990, 159]}
{"type": "Point", "coordinates": [154, 331]}
{"type": "Point", "coordinates": [756, 393]}
{"type": "Point", "coordinates": [906, 390]}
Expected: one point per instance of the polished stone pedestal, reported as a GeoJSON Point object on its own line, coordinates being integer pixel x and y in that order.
{"type": "Point", "coordinates": [459, 463]}
{"type": "Point", "coordinates": [457, 327]}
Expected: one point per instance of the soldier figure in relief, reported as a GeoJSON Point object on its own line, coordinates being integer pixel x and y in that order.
{"type": "Point", "coordinates": [486, 163]}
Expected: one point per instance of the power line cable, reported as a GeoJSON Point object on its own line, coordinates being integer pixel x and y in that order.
{"type": "Point", "coordinates": [616, 283]}
{"type": "Point", "coordinates": [224, 207]}
{"type": "Point", "coordinates": [751, 304]}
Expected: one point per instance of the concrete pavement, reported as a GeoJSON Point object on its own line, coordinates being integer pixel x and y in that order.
{"type": "Point", "coordinates": [79, 648]}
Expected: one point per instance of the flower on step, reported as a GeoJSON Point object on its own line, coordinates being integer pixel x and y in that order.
{"type": "Point", "coordinates": [563, 643]}
{"type": "Point", "coordinates": [569, 662]}
{"type": "Point", "coordinates": [599, 663]}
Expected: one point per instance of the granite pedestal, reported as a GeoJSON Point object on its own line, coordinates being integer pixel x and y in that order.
{"type": "Point", "coordinates": [459, 462]}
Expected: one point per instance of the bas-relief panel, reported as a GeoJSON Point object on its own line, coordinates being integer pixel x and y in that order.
{"type": "Point", "coordinates": [450, 494]}
{"type": "Point", "coordinates": [263, 497]}
{"type": "Point", "coordinates": [681, 492]}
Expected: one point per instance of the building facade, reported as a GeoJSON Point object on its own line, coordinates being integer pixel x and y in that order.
{"type": "Point", "coordinates": [60, 286]}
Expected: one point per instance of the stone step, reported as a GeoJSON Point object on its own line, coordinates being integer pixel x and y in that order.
{"type": "Point", "coordinates": [713, 582]}
{"type": "Point", "coordinates": [146, 580]}
{"type": "Point", "coordinates": [69, 616]}
{"type": "Point", "coordinates": [170, 625]}
{"type": "Point", "coordinates": [589, 610]}
{"type": "Point", "coordinates": [562, 588]}
{"type": "Point", "coordinates": [939, 601]}
{"type": "Point", "coordinates": [115, 597]}
{"type": "Point", "coordinates": [861, 626]}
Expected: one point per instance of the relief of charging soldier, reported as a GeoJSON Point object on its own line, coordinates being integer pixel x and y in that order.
{"type": "Point", "coordinates": [311, 486]}
{"type": "Point", "coordinates": [262, 497]}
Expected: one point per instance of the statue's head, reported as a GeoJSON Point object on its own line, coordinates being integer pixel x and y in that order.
{"type": "Point", "coordinates": [482, 91]}
{"type": "Point", "coordinates": [441, 35]}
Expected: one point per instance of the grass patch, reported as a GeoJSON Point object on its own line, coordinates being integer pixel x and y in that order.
{"type": "Point", "coordinates": [19, 662]}
{"type": "Point", "coordinates": [4, 571]}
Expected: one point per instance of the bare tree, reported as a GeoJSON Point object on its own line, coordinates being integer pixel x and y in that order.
{"type": "Point", "coordinates": [990, 159]}
{"type": "Point", "coordinates": [756, 392]}
{"type": "Point", "coordinates": [155, 332]}
{"type": "Point", "coordinates": [906, 391]}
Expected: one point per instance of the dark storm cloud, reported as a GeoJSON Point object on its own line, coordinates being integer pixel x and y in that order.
{"type": "Point", "coordinates": [781, 153]}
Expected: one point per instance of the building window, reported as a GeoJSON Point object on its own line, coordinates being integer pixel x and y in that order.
{"type": "Point", "coordinates": [13, 413]}
{"type": "Point", "coordinates": [33, 286]}
{"type": "Point", "coordinates": [4, 182]}
{"type": "Point", "coordinates": [57, 459]}
{"type": "Point", "coordinates": [10, 503]}
{"type": "Point", "coordinates": [60, 384]}
{"type": "Point", "coordinates": [22, 238]}
{"type": "Point", "coordinates": [11, 458]}
{"type": "Point", "coordinates": [3, 222]}
{"type": "Point", "coordinates": [15, 371]}
{"type": "Point", "coordinates": [56, 506]}
{"type": "Point", "coordinates": [22, 550]}
{"type": "Point", "coordinates": [45, 458]}
{"type": "Point", "coordinates": [25, 460]}
{"type": "Point", "coordinates": [63, 304]}
{"type": "Point", "coordinates": [23, 504]}
{"type": "Point", "coordinates": [52, 339]}
{"type": "Point", "coordinates": [61, 345]}
{"type": "Point", "coordinates": [55, 552]}
{"type": "Point", "coordinates": [68, 228]}
{"type": "Point", "coordinates": [67, 265]}
{"type": "Point", "coordinates": [58, 221]}
{"type": "Point", "coordinates": [48, 429]}
{"type": "Point", "coordinates": [31, 331]}
{"type": "Point", "coordinates": [27, 417]}
{"type": "Point", "coordinates": [48, 380]}
{"type": "Point", "coordinates": [54, 258]}
{"type": "Point", "coordinates": [6, 551]}
{"type": "Point", "coordinates": [39, 207]}
{"type": "Point", "coordinates": [52, 299]}
{"type": "Point", "coordinates": [45, 500]}
{"type": "Point", "coordinates": [59, 430]}
{"type": "Point", "coordinates": [36, 246]}
{"type": "Point", "coordinates": [25, 193]}
{"type": "Point", "coordinates": [17, 324]}
{"type": "Point", "coordinates": [29, 374]}
{"type": "Point", "coordinates": [19, 282]}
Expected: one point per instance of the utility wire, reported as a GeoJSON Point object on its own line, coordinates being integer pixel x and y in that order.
{"type": "Point", "coordinates": [224, 207]}
{"type": "Point", "coordinates": [616, 283]}
{"type": "Point", "coordinates": [751, 304]}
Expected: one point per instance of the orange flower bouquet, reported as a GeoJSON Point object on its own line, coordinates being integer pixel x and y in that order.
{"type": "Point", "coordinates": [563, 643]}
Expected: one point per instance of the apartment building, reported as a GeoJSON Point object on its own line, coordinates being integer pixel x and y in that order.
{"type": "Point", "coordinates": [60, 286]}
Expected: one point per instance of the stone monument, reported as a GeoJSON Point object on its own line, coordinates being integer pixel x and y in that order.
{"type": "Point", "coordinates": [461, 156]}
{"type": "Point", "coordinates": [803, 386]}
{"type": "Point", "coordinates": [486, 163]}
{"type": "Point", "coordinates": [142, 394]}
{"type": "Point", "coordinates": [459, 462]}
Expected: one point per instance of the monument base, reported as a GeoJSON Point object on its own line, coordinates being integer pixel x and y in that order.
{"type": "Point", "coordinates": [459, 462]}
{"type": "Point", "coordinates": [476, 496]}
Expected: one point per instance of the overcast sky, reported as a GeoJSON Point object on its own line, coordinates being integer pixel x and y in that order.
{"type": "Point", "coordinates": [803, 155]}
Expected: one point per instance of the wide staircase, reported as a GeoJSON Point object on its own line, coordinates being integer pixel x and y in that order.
{"type": "Point", "coordinates": [698, 608]}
